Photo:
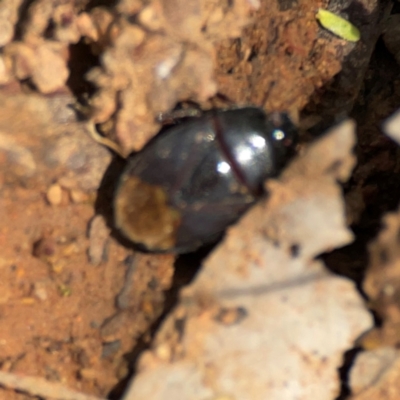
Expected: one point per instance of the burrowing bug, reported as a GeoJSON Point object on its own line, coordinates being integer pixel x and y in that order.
{"type": "Point", "coordinates": [191, 181]}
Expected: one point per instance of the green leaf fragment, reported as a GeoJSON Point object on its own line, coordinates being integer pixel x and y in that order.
{"type": "Point", "coordinates": [338, 25]}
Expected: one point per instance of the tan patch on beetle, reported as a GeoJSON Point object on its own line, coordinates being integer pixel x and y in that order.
{"type": "Point", "coordinates": [143, 215]}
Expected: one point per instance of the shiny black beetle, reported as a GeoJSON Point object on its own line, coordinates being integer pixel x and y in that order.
{"type": "Point", "coordinates": [190, 182]}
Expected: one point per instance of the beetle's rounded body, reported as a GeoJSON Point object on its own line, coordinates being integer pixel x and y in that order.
{"type": "Point", "coordinates": [192, 181]}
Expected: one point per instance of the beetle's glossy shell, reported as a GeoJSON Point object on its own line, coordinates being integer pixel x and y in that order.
{"type": "Point", "coordinates": [193, 180]}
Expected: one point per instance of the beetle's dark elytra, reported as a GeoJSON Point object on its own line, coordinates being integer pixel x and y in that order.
{"type": "Point", "coordinates": [187, 185]}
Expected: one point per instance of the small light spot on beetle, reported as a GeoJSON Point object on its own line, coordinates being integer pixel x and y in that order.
{"type": "Point", "coordinates": [204, 137]}
{"type": "Point", "coordinates": [278, 134]}
{"type": "Point", "coordinates": [164, 153]}
{"type": "Point", "coordinates": [223, 167]}
{"type": "Point", "coordinates": [245, 155]}
{"type": "Point", "coordinates": [258, 142]}
{"type": "Point", "coordinates": [209, 138]}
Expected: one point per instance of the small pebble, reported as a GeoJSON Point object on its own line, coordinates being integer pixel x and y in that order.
{"type": "Point", "coordinates": [44, 248]}
{"type": "Point", "coordinates": [88, 373]}
{"type": "Point", "coordinates": [39, 290]}
{"type": "Point", "coordinates": [67, 182]}
{"type": "Point", "coordinates": [54, 195]}
{"type": "Point", "coordinates": [98, 237]}
{"type": "Point", "coordinates": [5, 295]}
{"type": "Point", "coordinates": [163, 352]}
{"type": "Point", "coordinates": [77, 196]}
{"type": "Point", "coordinates": [113, 326]}
{"type": "Point", "coordinates": [28, 300]}
{"type": "Point", "coordinates": [109, 349]}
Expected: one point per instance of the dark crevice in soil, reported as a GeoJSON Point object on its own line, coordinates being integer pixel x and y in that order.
{"type": "Point", "coordinates": [348, 362]}
{"type": "Point", "coordinates": [101, 3]}
{"type": "Point", "coordinates": [22, 17]}
{"type": "Point", "coordinates": [81, 60]}
{"type": "Point", "coordinates": [396, 8]}
{"type": "Point", "coordinates": [186, 268]}
{"type": "Point", "coordinates": [378, 98]}
{"type": "Point", "coordinates": [379, 184]}
{"type": "Point", "coordinates": [349, 358]}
